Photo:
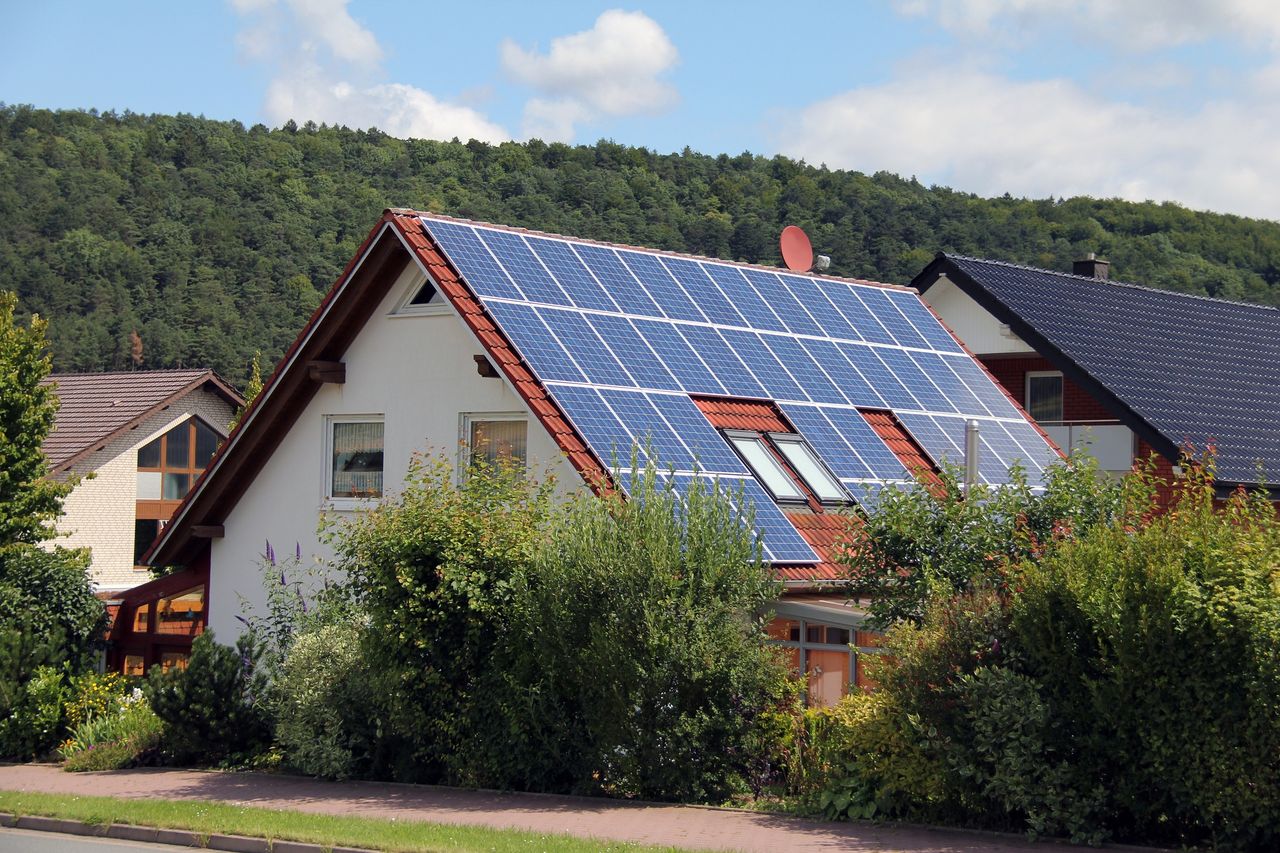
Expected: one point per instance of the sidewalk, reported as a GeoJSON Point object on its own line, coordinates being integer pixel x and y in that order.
{"type": "Point", "coordinates": [698, 828]}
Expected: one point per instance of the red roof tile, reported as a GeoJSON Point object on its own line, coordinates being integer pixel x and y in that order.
{"type": "Point", "coordinates": [754, 415]}
{"type": "Point", "coordinates": [903, 445]}
{"type": "Point", "coordinates": [823, 531]}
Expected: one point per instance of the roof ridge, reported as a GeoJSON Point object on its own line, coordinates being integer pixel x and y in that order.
{"type": "Point", "coordinates": [666, 252]}
{"type": "Point", "coordinates": [1108, 281]}
{"type": "Point", "coordinates": [165, 370]}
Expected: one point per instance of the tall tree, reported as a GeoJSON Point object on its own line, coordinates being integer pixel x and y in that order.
{"type": "Point", "coordinates": [29, 501]}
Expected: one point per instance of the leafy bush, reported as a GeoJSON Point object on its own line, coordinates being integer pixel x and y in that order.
{"type": "Point", "coordinates": [127, 733]}
{"type": "Point", "coordinates": [34, 722]}
{"type": "Point", "coordinates": [91, 695]}
{"type": "Point", "coordinates": [433, 567]}
{"type": "Point", "coordinates": [925, 542]}
{"type": "Point", "coordinates": [213, 709]}
{"type": "Point", "coordinates": [322, 698]}
{"type": "Point", "coordinates": [1122, 681]}
{"type": "Point", "coordinates": [636, 663]}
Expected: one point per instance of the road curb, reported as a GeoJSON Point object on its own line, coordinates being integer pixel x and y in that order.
{"type": "Point", "coordinates": [175, 837]}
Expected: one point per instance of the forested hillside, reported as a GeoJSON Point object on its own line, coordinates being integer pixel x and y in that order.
{"type": "Point", "coordinates": [211, 240]}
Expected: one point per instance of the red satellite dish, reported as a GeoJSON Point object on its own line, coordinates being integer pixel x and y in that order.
{"type": "Point", "coordinates": [797, 252]}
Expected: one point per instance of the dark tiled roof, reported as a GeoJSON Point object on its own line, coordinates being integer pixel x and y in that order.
{"type": "Point", "coordinates": [1177, 368]}
{"type": "Point", "coordinates": [94, 407]}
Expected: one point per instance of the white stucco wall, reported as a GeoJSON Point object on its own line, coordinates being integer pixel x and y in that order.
{"type": "Point", "coordinates": [418, 372]}
{"type": "Point", "coordinates": [981, 332]}
{"type": "Point", "coordinates": [99, 513]}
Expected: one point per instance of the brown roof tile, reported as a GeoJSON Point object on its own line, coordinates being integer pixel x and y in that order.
{"type": "Point", "coordinates": [95, 407]}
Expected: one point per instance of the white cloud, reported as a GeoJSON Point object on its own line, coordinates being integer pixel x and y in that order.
{"type": "Point", "coordinates": [614, 68]}
{"type": "Point", "coordinates": [1133, 23]}
{"type": "Point", "coordinates": [984, 133]}
{"type": "Point", "coordinates": [327, 69]}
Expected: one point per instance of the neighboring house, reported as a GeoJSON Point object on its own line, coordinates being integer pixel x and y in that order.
{"type": "Point", "coordinates": [139, 440]}
{"type": "Point", "coordinates": [808, 393]}
{"type": "Point", "coordinates": [1123, 370]}
{"type": "Point", "coordinates": [144, 437]}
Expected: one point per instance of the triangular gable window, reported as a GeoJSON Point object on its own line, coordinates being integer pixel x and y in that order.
{"type": "Point", "coordinates": [423, 297]}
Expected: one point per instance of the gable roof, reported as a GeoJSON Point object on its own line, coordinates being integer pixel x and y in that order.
{"type": "Point", "coordinates": [608, 345]}
{"type": "Point", "coordinates": [94, 408]}
{"type": "Point", "coordinates": [1176, 368]}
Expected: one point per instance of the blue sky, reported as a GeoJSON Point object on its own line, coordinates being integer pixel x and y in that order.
{"type": "Point", "coordinates": [1137, 99]}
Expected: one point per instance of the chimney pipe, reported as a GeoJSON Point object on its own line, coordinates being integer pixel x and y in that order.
{"type": "Point", "coordinates": [1092, 266]}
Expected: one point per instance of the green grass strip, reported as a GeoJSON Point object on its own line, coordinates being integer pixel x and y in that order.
{"type": "Point", "coordinates": [409, 836]}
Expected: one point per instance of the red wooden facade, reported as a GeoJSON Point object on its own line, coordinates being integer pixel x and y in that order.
{"type": "Point", "coordinates": [156, 622]}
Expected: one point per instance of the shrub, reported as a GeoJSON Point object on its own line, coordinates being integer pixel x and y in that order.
{"type": "Point", "coordinates": [91, 695]}
{"type": "Point", "coordinates": [1123, 680]}
{"type": "Point", "coordinates": [433, 568]}
{"type": "Point", "coordinates": [34, 722]}
{"type": "Point", "coordinates": [636, 663]}
{"type": "Point", "coordinates": [126, 734]}
{"type": "Point", "coordinates": [922, 543]}
{"type": "Point", "coordinates": [322, 698]}
{"type": "Point", "coordinates": [213, 709]}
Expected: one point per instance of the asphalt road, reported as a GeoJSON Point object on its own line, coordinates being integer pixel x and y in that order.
{"type": "Point", "coordinates": [26, 841]}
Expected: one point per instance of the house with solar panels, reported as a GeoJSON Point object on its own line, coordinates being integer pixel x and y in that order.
{"type": "Point", "coordinates": [1120, 370]}
{"type": "Point", "coordinates": [809, 394]}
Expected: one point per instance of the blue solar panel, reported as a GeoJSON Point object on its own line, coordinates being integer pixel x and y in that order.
{"type": "Point", "coordinates": [745, 298]}
{"type": "Point", "coordinates": [850, 382]}
{"type": "Point", "coordinates": [789, 305]}
{"type": "Point", "coordinates": [764, 365]}
{"type": "Point", "coordinates": [665, 290]}
{"type": "Point", "coordinates": [593, 357]}
{"type": "Point", "coordinates": [877, 301]}
{"type": "Point", "coordinates": [880, 459]}
{"type": "Point", "coordinates": [782, 544]}
{"type": "Point", "coordinates": [650, 429]}
{"type": "Point", "coordinates": [737, 379]}
{"type": "Point", "coordinates": [582, 288]}
{"type": "Point", "coordinates": [881, 378]}
{"type": "Point", "coordinates": [619, 281]}
{"type": "Point", "coordinates": [602, 430]}
{"type": "Point", "coordinates": [812, 378]}
{"type": "Point", "coordinates": [482, 272]}
{"type": "Point", "coordinates": [924, 320]}
{"type": "Point", "coordinates": [708, 446]}
{"type": "Point", "coordinates": [840, 456]}
{"type": "Point", "coordinates": [846, 300]}
{"type": "Point", "coordinates": [910, 375]}
{"type": "Point", "coordinates": [708, 296]}
{"type": "Point", "coordinates": [666, 327]}
{"type": "Point", "coordinates": [679, 357]}
{"type": "Point", "coordinates": [639, 359]}
{"type": "Point", "coordinates": [519, 262]}
{"type": "Point", "coordinates": [957, 393]}
{"type": "Point", "coordinates": [534, 341]}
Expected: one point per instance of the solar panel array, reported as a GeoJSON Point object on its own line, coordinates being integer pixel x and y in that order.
{"type": "Point", "coordinates": [622, 337]}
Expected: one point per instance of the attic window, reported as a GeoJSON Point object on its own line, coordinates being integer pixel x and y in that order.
{"type": "Point", "coordinates": [787, 466]}
{"type": "Point", "coordinates": [423, 297]}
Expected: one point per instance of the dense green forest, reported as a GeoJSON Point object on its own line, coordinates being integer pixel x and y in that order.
{"type": "Point", "coordinates": [211, 240]}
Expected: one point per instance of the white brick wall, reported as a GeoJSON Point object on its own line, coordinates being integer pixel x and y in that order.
{"type": "Point", "coordinates": [99, 513]}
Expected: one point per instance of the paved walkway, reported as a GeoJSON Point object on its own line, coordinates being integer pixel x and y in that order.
{"type": "Point", "coordinates": [710, 829]}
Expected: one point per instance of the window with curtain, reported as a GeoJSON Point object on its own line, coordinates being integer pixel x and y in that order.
{"type": "Point", "coordinates": [356, 464]}
{"type": "Point", "coordinates": [498, 441]}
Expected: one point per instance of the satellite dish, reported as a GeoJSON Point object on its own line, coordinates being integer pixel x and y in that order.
{"type": "Point", "coordinates": [797, 252]}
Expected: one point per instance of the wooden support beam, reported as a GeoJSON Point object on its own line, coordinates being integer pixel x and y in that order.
{"type": "Point", "coordinates": [484, 367]}
{"type": "Point", "coordinates": [208, 531]}
{"type": "Point", "coordinates": [327, 371]}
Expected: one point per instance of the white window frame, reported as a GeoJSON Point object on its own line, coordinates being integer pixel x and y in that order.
{"type": "Point", "coordinates": [775, 467]}
{"type": "Point", "coordinates": [783, 439]}
{"type": "Point", "coordinates": [405, 308]}
{"type": "Point", "coordinates": [1044, 374]}
{"type": "Point", "coordinates": [466, 419]}
{"type": "Point", "coordinates": [326, 468]}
